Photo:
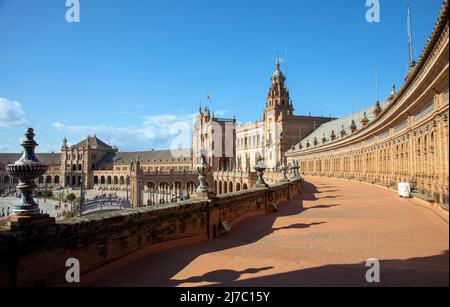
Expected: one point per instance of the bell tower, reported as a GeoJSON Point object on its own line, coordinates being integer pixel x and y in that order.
{"type": "Point", "coordinates": [278, 109]}
{"type": "Point", "coordinates": [278, 99]}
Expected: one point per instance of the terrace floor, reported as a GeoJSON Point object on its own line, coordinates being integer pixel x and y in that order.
{"type": "Point", "coordinates": [321, 238]}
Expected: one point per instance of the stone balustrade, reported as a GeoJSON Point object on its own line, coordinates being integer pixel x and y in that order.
{"type": "Point", "coordinates": [102, 241]}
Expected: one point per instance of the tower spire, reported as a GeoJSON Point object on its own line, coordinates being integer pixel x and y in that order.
{"type": "Point", "coordinates": [412, 63]}
{"type": "Point", "coordinates": [277, 62]}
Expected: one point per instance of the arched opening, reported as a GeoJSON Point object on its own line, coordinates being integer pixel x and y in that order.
{"type": "Point", "coordinates": [74, 167]}
{"type": "Point", "coordinates": [108, 180]}
{"type": "Point", "coordinates": [244, 187]}
{"type": "Point", "coordinates": [80, 167]}
{"type": "Point", "coordinates": [122, 180]}
{"type": "Point", "coordinates": [95, 179]}
{"type": "Point", "coordinates": [230, 188]}
{"type": "Point", "coordinates": [116, 180]}
{"type": "Point", "coordinates": [56, 179]}
{"type": "Point", "coordinates": [215, 186]}
{"type": "Point", "coordinates": [41, 180]}
{"type": "Point", "coordinates": [238, 187]}
{"type": "Point", "coordinates": [48, 180]}
{"type": "Point", "coordinates": [74, 181]}
{"type": "Point", "coordinates": [102, 179]}
{"type": "Point", "coordinates": [220, 188]}
{"type": "Point", "coordinates": [225, 187]}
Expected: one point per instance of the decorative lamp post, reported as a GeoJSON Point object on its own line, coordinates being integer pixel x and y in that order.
{"type": "Point", "coordinates": [294, 169]}
{"type": "Point", "coordinates": [297, 168]}
{"type": "Point", "coordinates": [27, 169]}
{"type": "Point", "coordinates": [260, 167]}
{"type": "Point", "coordinates": [203, 169]}
{"type": "Point", "coordinates": [284, 169]}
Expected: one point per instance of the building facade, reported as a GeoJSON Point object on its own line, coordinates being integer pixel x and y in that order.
{"type": "Point", "coordinates": [104, 167]}
{"type": "Point", "coordinates": [403, 139]}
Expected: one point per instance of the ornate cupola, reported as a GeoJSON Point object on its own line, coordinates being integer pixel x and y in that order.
{"type": "Point", "coordinates": [365, 120]}
{"type": "Point", "coordinates": [343, 132]}
{"type": "Point", "coordinates": [353, 126]}
{"type": "Point", "coordinates": [278, 98]}
{"type": "Point", "coordinates": [64, 145]}
{"type": "Point", "coordinates": [377, 111]}
{"type": "Point", "coordinates": [392, 95]}
{"type": "Point", "coordinates": [333, 135]}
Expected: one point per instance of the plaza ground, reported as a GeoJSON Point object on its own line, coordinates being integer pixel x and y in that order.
{"type": "Point", "coordinates": [321, 238]}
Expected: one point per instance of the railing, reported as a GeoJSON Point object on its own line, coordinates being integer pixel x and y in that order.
{"type": "Point", "coordinates": [103, 205]}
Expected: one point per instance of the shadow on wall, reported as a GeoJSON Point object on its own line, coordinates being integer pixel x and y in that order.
{"type": "Point", "coordinates": [170, 262]}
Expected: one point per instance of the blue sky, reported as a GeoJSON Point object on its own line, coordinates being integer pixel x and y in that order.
{"type": "Point", "coordinates": [132, 68]}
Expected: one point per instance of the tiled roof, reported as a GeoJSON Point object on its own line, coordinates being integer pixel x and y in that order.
{"type": "Point", "coordinates": [147, 157]}
{"type": "Point", "coordinates": [337, 125]}
{"type": "Point", "coordinates": [93, 142]}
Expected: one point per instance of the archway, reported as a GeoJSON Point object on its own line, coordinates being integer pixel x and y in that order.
{"type": "Point", "coordinates": [238, 187]}
{"type": "Point", "coordinates": [244, 187]}
{"type": "Point", "coordinates": [230, 188]}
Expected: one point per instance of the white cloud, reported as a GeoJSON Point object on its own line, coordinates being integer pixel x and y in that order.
{"type": "Point", "coordinates": [155, 131]}
{"type": "Point", "coordinates": [11, 114]}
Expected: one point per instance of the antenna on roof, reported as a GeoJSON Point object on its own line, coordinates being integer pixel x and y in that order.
{"type": "Point", "coordinates": [410, 40]}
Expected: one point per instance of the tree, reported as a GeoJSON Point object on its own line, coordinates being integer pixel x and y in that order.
{"type": "Point", "coordinates": [70, 197]}
{"type": "Point", "coordinates": [47, 194]}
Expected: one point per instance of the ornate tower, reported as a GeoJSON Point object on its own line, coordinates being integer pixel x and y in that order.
{"type": "Point", "coordinates": [278, 108]}
{"type": "Point", "coordinates": [278, 100]}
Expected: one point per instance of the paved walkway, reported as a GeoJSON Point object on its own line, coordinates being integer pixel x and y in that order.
{"type": "Point", "coordinates": [322, 238]}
